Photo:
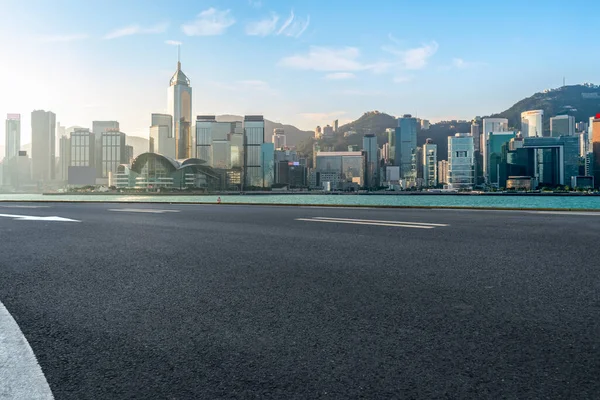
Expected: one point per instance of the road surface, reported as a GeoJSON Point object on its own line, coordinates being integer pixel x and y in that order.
{"type": "Point", "coordinates": [167, 301]}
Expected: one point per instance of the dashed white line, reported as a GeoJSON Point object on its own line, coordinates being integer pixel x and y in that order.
{"type": "Point", "coordinates": [591, 213]}
{"type": "Point", "coordinates": [142, 210]}
{"type": "Point", "coordinates": [11, 206]}
{"type": "Point", "coordinates": [21, 376]}
{"type": "Point", "coordinates": [380, 221]}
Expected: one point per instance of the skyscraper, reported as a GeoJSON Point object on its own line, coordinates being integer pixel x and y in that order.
{"type": "Point", "coordinates": [532, 123]}
{"type": "Point", "coordinates": [494, 125]}
{"type": "Point", "coordinates": [596, 149]}
{"type": "Point", "coordinates": [405, 145]}
{"type": "Point", "coordinates": [161, 135]}
{"type": "Point", "coordinates": [279, 138]}
{"type": "Point", "coordinates": [113, 152]}
{"type": "Point", "coordinates": [254, 134]}
{"type": "Point", "coordinates": [372, 171]}
{"type": "Point", "coordinates": [461, 166]}
{"type": "Point", "coordinates": [562, 125]}
{"type": "Point", "coordinates": [430, 163]}
{"type": "Point", "coordinates": [12, 145]}
{"type": "Point", "coordinates": [209, 132]}
{"type": "Point", "coordinates": [336, 125]}
{"type": "Point", "coordinates": [180, 108]}
{"type": "Point", "coordinates": [98, 128]}
{"type": "Point", "coordinates": [43, 139]}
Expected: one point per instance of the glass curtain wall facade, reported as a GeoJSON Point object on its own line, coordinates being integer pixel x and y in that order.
{"type": "Point", "coordinates": [371, 149]}
{"type": "Point", "coordinates": [12, 145]}
{"type": "Point", "coordinates": [532, 123]}
{"type": "Point", "coordinates": [180, 108]}
{"type": "Point", "coordinates": [113, 152]}
{"type": "Point", "coordinates": [430, 178]}
{"type": "Point", "coordinates": [461, 166]}
{"type": "Point", "coordinates": [405, 146]}
{"type": "Point", "coordinates": [82, 149]}
{"type": "Point", "coordinates": [43, 142]}
{"type": "Point", "coordinates": [494, 143]}
{"type": "Point", "coordinates": [254, 134]}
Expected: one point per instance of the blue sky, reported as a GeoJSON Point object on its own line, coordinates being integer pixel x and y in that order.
{"type": "Point", "coordinates": [300, 62]}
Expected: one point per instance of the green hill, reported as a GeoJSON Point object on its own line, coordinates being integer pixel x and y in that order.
{"type": "Point", "coordinates": [580, 101]}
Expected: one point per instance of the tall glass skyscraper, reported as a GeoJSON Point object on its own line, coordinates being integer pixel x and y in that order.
{"type": "Point", "coordinates": [180, 108]}
{"type": "Point", "coordinates": [372, 174]}
{"type": "Point", "coordinates": [461, 165]}
{"type": "Point", "coordinates": [406, 145]}
{"type": "Point", "coordinates": [254, 136]}
{"type": "Point", "coordinates": [429, 163]}
{"type": "Point", "coordinates": [532, 123]}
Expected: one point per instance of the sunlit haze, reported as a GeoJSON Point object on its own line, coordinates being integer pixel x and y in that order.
{"type": "Point", "coordinates": [303, 63]}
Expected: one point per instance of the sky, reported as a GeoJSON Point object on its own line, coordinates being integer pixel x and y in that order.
{"type": "Point", "coordinates": [304, 62]}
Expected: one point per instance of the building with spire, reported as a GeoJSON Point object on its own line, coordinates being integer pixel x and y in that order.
{"type": "Point", "coordinates": [180, 107]}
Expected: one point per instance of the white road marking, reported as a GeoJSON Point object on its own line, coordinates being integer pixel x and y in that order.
{"type": "Point", "coordinates": [25, 206]}
{"type": "Point", "coordinates": [143, 210]}
{"type": "Point", "coordinates": [342, 208]}
{"type": "Point", "coordinates": [364, 223]}
{"type": "Point", "coordinates": [21, 376]}
{"type": "Point", "coordinates": [37, 218]}
{"type": "Point", "coordinates": [379, 221]}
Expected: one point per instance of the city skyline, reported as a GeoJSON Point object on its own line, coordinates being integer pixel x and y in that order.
{"type": "Point", "coordinates": [298, 63]}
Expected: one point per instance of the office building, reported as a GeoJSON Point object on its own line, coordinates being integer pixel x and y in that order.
{"type": "Point", "coordinates": [494, 125]}
{"type": "Point", "coordinates": [595, 149]}
{"type": "Point", "coordinates": [267, 162]}
{"type": "Point", "coordinates": [43, 142]}
{"type": "Point", "coordinates": [162, 140]}
{"type": "Point", "coordinates": [339, 170]}
{"type": "Point", "coordinates": [208, 130]}
{"type": "Point", "coordinates": [391, 135]}
{"type": "Point", "coordinates": [12, 145]}
{"type": "Point", "coordinates": [64, 158]}
{"type": "Point", "coordinates": [98, 128]}
{"type": "Point", "coordinates": [532, 123]}
{"type": "Point", "coordinates": [83, 145]}
{"type": "Point", "coordinates": [372, 159]}
{"type": "Point", "coordinates": [237, 145]}
{"type": "Point", "coordinates": [476, 133]}
{"type": "Point", "coordinates": [425, 124]}
{"type": "Point", "coordinates": [493, 155]}
{"type": "Point", "coordinates": [430, 163]}
{"type": "Point", "coordinates": [562, 125]}
{"type": "Point", "coordinates": [328, 131]}
{"type": "Point", "coordinates": [113, 152]}
{"type": "Point", "coordinates": [336, 125]}
{"type": "Point", "coordinates": [583, 143]}
{"type": "Point", "coordinates": [442, 171]}
{"type": "Point", "coordinates": [405, 146]}
{"type": "Point", "coordinates": [461, 165]}
{"type": "Point", "coordinates": [589, 164]}
{"type": "Point", "coordinates": [318, 132]}
{"type": "Point", "coordinates": [555, 160]}
{"type": "Point", "coordinates": [279, 138]}
{"type": "Point", "coordinates": [254, 133]}
{"type": "Point", "coordinates": [180, 108]}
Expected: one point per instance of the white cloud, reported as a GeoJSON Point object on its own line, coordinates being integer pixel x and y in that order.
{"type": "Point", "coordinates": [337, 76]}
{"type": "Point", "coordinates": [415, 58]}
{"type": "Point", "coordinates": [64, 38]}
{"type": "Point", "coordinates": [459, 63]}
{"type": "Point", "coordinates": [209, 22]}
{"type": "Point", "coordinates": [293, 26]}
{"type": "Point", "coordinates": [263, 27]}
{"type": "Point", "coordinates": [173, 42]}
{"type": "Point", "coordinates": [255, 3]}
{"type": "Point", "coordinates": [137, 30]}
{"type": "Point", "coordinates": [345, 59]}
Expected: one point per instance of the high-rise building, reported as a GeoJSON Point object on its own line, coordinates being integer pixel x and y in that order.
{"type": "Point", "coordinates": [461, 165]}
{"type": "Point", "coordinates": [430, 163]}
{"type": "Point", "coordinates": [338, 168]}
{"type": "Point", "coordinates": [336, 125]}
{"type": "Point", "coordinates": [180, 108]}
{"type": "Point", "coordinates": [493, 153]}
{"type": "Point", "coordinates": [64, 158]}
{"type": "Point", "coordinates": [443, 171]}
{"type": "Point", "coordinates": [494, 125]}
{"type": "Point", "coordinates": [60, 132]}
{"type": "Point", "coordinates": [476, 133]}
{"type": "Point", "coordinates": [555, 159]}
{"type": "Point", "coordinates": [562, 125]}
{"type": "Point", "coordinates": [43, 142]}
{"type": "Point", "coordinates": [279, 138]}
{"type": "Point", "coordinates": [83, 145]}
{"type": "Point", "coordinates": [328, 131]}
{"type": "Point", "coordinates": [254, 134]}
{"type": "Point", "coordinates": [318, 132]}
{"type": "Point", "coordinates": [532, 123]}
{"type": "Point", "coordinates": [237, 145]}
{"type": "Point", "coordinates": [12, 145]}
{"type": "Point", "coordinates": [98, 128]}
{"type": "Point", "coordinates": [220, 154]}
{"type": "Point", "coordinates": [162, 140]}
{"type": "Point", "coordinates": [372, 171]}
{"type": "Point", "coordinates": [113, 152]}
{"type": "Point", "coordinates": [405, 146]}
{"type": "Point", "coordinates": [425, 124]}
{"type": "Point", "coordinates": [595, 149]}
{"type": "Point", "coordinates": [208, 130]}
{"type": "Point", "coordinates": [391, 134]}
{"type": "Point", "coordinates": [267, 162]}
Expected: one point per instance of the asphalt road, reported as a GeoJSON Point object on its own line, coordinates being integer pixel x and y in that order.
{"type": "Point", "coordinates": [219, 301]}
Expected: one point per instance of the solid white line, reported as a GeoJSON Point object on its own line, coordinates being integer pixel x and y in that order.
{"type": "Point", "coordinates": [25, 206]}
{"type": "Point", "coordinates": [364, 223]}
{"type": "Point", "coordinates": [387, 222]}
{"type": "Point", "coordinates": [339, 208]}
{"type": "Point", "coordinates": [143, 210]}
{"type": "Point", "coordinates": [21, 376]}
